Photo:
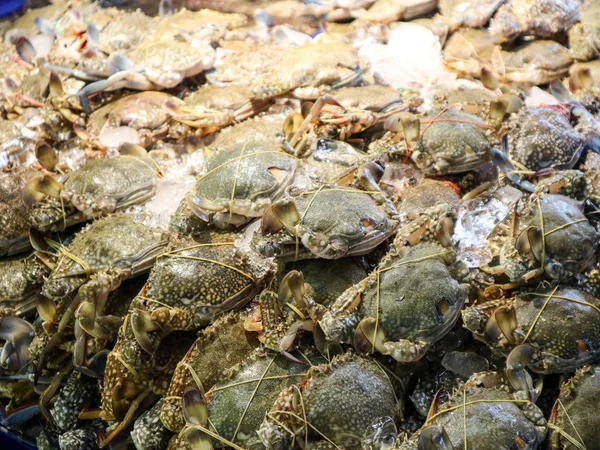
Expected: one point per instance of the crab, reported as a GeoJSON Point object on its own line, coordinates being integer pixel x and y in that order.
{"type": "Point", "coordinates": [468, 13]}
{"type": "Point", "coordinates": [151, 65]}
{"type": "Point", "coordinates": [318, 409]}
{"type": "Point", "coordinates": [583, 82]}
{"type": "Point", "coordinates": [20, 282]}
{"type": "Point", "coordinates": [199, 267]}
{"type": "Point", "coordinates": [240, 64]}
{"type": "Point", "coordinates": [352, 111]}
{"type": "Point", "coordinates": [237, 403]}
{"type": "Point", "coordinates": [205, 363]}
{"type": "Point", "coordinates": [312, 70]}
{"type": "Point", "coordinates": [139, 118]}
{"type": "Point", "coordinates": [428, 210]}
{"type": "Point", "coordinates": [553, 237]}
{"type": "Point", "coordinates": [573, 419]}
{"type": "Point", "coordinates": [550, 330]}
{"type": "Point", "coordinates": [14, 215]}
{"type": "Point", "coordinates": [94, 264]}
{"type": "Point", "coordinates": [329, 223]}
{"type": "Point", "coordinates": [584, 37]}
{"type": "Point", "coordinates": [384, 313]}
{"type": "Point", "coordinates": [127, 390]}
{"type": "Point", "coordinates": [481, 417]}
{"type": "Point", "coordinates": [540, 18]}
{"type": "Point", "coordinates": [473, 52]}
{"type": "Point", "coordinates": [198, 27]}
{"type": "Point", "coordinates": [98, 188]}
{"type": "Point", "coordinates": [548, 137]}
{"type": "Point", "coordinates": [211, 108]}
{"type": "Point", "coordinates": [241, 182]}
{"type": "Point", "coordinates": [450, 142]}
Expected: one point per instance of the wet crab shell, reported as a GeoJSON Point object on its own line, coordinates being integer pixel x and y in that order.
{"type": "Point", "coordinates": [560, 324]}
{"type": "Point", "coordinates": [334, 222]}
{"type": "Point", "coordinates": [574, 413]}
{"type": "Point", "coordinates": [341, 415]}
{"type": "Point", "coordinates": [492, 419]}
{"type": "Point", "coordinates": [452, 142]}
{"type": "Point", "coordinates": [241, 183]}
{"type": "Point", "coordinates": [97, 249]}
{"type": "Point", "coordinates": [100, 187]}
{"type": "Point", "coordinates": [415, 317]}
{"type": "Point", "coordinates": [209, 363]}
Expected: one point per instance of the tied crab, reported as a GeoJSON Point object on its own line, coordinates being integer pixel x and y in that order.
{"type": "Point", "coordinates": [479, 417]}
{"type": "Point", "coordinates": [241, 182]}
{"type": "Point", "coordinates": [98, 188]}
{"type": "Point", "coordinates": [93, 265]}
{"type": "Point", "coordinates": [312, 70]}
{"type": "Point", "coordinates": [329, 222]}
{"type": "Point", "coordinates": [213, 277]}
{"type": "Point", "coordinates": [318, 412]}
{"type": "Point", "coordinates": [387, 314]}
{"type": "Point", "coordinates": [445, 142]}
{"type": "Point", "coordinates": [552, 330]}
{"type": "Point", "coordinates": [237, 403]}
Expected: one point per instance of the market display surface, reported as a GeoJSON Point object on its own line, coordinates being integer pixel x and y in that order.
{"type": "Point", "coordinates": [319, 225]}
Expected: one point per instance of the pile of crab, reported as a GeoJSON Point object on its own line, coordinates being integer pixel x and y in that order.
{"type": "Point", "coordinates": [223, 228]}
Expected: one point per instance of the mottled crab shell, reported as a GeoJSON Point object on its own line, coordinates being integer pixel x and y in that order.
{"type": "Point", "coordinates": [14, 215]}
{"type": "Point", "coordinates": [540, 138]}
{"type": "Point", "coordinates": [115, 242]}
{"type": "Point", "coordinates": [416, 315]}
{"type": "Point", "coordinates": [334, 222]}
{"type": "Point", "coordinates": [493, 420]}
{"type": "Point", "coordinates": [241, 182]}
{"type": "Point", "coordinates": [100, 187]}
{"type": "Point", "coordinates": [240, 402]}
{"type": "Point", "coordinates": [141, 111]}
{"type": "Point", "coordinates": [20, 281]}
{"type": "Point", "coordinates": [209, 361]}
{"type": "Point", "coordinates": [561, 325]}
{"type": "Point", "coordinates": [341, 400]}
{"type": "Point", "coordinates": [574, 414]}
{"type": "Point", "coordinates": [451, 142]}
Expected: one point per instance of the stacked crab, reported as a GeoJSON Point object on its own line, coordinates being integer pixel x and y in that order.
{"type": "Point", "coordinates": [223, 228]}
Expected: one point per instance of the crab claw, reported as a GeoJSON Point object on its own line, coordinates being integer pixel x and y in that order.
{"type": "Point", "coordinates": [517, 360]}
{"type": "Point", "coordinates": [38, 188]}
{"type": "Point", "coordinates": [489, 79]}
{"type": "Point", "coordinates": [25, 49]}
{"type": "Point", "coordinates": [503, 105]}
{"type": "Point", "coordinates": [369, 175]}
{"type": "Point", "coordinates": [503, 322]}
{"type": "Point", "coordinates": [195, 412]}
{"type": "Point", "coordinates": [434, 437]}
{"type": "Point", "coordinates": [291, 124]}
{"type": "Point", "coordinates": [18, 334]}
{"type": "Point", "coordinates": [129, 149]}
{"type": "Point", "coordinates": [368, 336]}
{"type": "Point", "coordinates": [46, 309]}
{"type": "Point", "coordinates": [292, 286]}
{"type": "Point", "coordinates": [501, 160]}
{"type": "Point", "coordinates": [279, 216]}
{"type": "Point", "coordinates": [531, 239]}
{"type": "Point", "coordinates": [46, 156]}
{"type": "Point", "coordinates": [404, 122]}
{"type": "Point", "coordinates": [325, 347]}
{"type": "Point", "coordinates": [141, 324]}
